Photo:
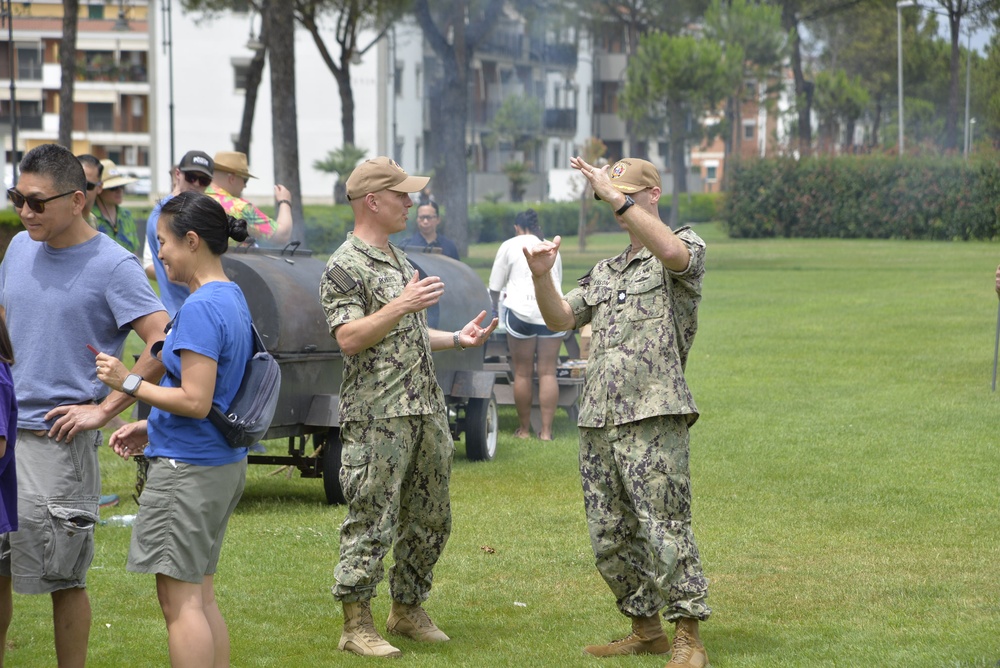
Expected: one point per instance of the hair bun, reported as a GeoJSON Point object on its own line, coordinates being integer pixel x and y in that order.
{"type": "Point", "coordinates": [237, 228]}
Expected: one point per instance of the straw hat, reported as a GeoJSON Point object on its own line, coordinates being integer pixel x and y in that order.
{"type": "Point", "coordinates": [233, 162]}
{"type": "Point", "coordinates": [113, 177]}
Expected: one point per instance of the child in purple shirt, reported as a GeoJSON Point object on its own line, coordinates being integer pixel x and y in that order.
{"type": "Point", "coordinates": [8, 472]}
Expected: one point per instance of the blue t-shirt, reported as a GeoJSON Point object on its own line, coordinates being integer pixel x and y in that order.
{"type": "Point", "coordinates": [214, 321]}
{"type": "Point", "coordinates": [8, 471]}
{"type": "Point", "coordinates": [57, 301]}
{"type": "Point", "coordinates": [171, 294]}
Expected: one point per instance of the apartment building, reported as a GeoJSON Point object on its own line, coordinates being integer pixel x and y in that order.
{"type": "Point", "coordinates": [111, 115]}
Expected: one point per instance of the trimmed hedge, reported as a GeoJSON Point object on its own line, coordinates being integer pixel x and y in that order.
{"type": "Point", "coordinates": [873, 197]}
{"type": "Point", "coordinates": [494, 222]}
{"type": "Point", "coordinates": [327, 226]}
{"type": "Point", "coordinates": [10, 224]}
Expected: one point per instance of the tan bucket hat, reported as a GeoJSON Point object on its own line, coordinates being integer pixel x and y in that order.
{"type": "Point", "coordinates": [233, 162]}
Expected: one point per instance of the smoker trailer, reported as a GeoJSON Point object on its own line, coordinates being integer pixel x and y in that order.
{"type": "Point", "coordinates": [282, 290]}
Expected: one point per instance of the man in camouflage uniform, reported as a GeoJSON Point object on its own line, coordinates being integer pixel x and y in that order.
{"type": "Point", "coordinates": [635, 411]}
{"type": "Point", "coordinates": [397, 447]}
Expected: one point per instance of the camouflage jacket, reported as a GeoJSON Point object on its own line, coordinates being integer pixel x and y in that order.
{"type": "Point", "coordinates": [643, 319]}
{"type": "Point", "coordinates": [395, 377]}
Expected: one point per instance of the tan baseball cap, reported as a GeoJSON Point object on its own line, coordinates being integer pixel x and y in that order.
{"type": "Point", "coordinates": [382, 173]}
{"type": "Point", "coordinates": [631, 175]}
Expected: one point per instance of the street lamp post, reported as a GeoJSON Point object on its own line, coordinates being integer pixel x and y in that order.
{"type": "Point", "coordinates": [899, 48]}
{"type": "Point", "coordinates": [968, 76]}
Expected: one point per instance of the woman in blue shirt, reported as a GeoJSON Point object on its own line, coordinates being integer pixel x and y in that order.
{"type": "Point", "coordinates": [195, 478]}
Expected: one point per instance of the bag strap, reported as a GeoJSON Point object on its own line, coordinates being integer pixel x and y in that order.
{"type": "Point", "coordinates": [258, 341]}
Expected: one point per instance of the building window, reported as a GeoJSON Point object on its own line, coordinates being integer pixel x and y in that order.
{"type": "Point", "coordinates": [711, 172]}
{"type": "Point", "coordinates": [95, 12]}
{"type": "Point", "coordinates": [607, 97]}
{"type": "Point", "coordinates": [397, 79]}
{"type": "Point", "coordinates": [100, 116]}
{"type": "Point", "coordinates": [748, 131]}
{"type": "Point", "coordinates": [29, 61]}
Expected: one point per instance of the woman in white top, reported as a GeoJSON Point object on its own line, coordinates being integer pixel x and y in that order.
{"type": "Point", "coordinates": [527, 335]}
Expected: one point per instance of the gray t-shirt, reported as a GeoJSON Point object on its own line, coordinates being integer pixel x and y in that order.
{"type": "Point", "coordinates": [57, 300]}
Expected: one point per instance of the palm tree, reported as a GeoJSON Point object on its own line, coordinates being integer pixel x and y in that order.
{"type": "Point", "coordinates": [340, 162]}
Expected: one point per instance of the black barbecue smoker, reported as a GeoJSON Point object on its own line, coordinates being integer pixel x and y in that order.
{"type": "Point", "coordinates": [282, 289]}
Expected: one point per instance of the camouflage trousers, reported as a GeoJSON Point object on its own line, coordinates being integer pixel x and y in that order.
{"type": "Point", "coordinates": [395, 478]}
{"type": "Point", "coordinates": [637, 496]}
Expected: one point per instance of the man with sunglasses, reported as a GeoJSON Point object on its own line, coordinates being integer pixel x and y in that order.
{"type": "Point", "coordinates": [94, 171]}
{"type": "Point", "coordinates": [231, 176]}
{"type": "Point", "coordinates": [64, 288]}
{"type": "Point", "coordinates": [193, 172]}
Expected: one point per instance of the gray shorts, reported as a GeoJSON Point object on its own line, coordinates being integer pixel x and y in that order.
{"type": "Point", "coordinates": [58, 485]}
{"type": "Point", "coordinates": [183, 513]}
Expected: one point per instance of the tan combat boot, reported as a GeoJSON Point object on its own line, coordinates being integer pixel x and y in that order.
{"type": "Point", "coordinates": [413, 622]}
{"type": "Point", "coordinates": [359, 635]}
{"type": "Point", "coordinates": [647, 637]}
{"type": "Point", "coordinates": [688, 650]}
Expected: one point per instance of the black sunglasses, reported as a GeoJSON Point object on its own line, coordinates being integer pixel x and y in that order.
{"type": "Point", "coordinates": [35, 204]}
{"type": "Point", "coordinates": [201, 179]}
{"type": "Point", "coordinates": [91, 186]}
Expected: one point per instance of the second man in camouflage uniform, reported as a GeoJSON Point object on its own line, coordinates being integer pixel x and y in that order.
{"type": "Point", "coordinates": [635, 411]}
{"type": "Point", "coordinates": [397, 447]}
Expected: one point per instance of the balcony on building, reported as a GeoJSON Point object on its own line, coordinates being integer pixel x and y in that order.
{"type": "Point", "coordinates": [124, 66]}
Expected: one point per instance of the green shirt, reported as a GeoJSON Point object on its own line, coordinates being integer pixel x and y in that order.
{"type": "Point", "coordinates": [395, 377]}
{"type": "Point", "coordinates": [643, 318]}
{"type": "Point", "coordinates": [125, 233]}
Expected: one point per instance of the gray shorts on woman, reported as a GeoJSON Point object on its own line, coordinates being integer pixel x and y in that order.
{"type": "Point", "coordinates": [183, 513]}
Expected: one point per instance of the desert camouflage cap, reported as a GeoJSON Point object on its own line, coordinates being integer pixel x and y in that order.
{"type": "Point", "coordinates": [382, 173]}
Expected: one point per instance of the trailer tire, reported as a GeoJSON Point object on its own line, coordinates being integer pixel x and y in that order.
{"type": "Point", "coordinates": [332, 448]}
{"type": "Point", "coordinates": [481, 427]}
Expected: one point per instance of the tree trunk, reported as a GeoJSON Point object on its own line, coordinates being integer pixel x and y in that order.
{"type": "Point", "coordinates": [803, 88]}
{"type": "Point", "coordinates": [677, 142]}
{"type": "Point", "coordinates": [876, 123]}
{"type": "Point", "coordinates": [452, 169]}
{"type": "Point", "coordinates": [255, 73]}
{"type": "Point", "coordinates": [67, 66]}
{"type": "Point", "coordinates": [284, 127]}
{"type": "Point", "coordinates": [449, 124]}
{"type": "Point", "coordinates": [343, 77]}
{"type": "Point", "coordinates": [951, 117]}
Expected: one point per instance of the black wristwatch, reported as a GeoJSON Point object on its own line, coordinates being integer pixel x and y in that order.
{"type": "Point", "coordinates": [625, 207]}
{"type": "Point", "coordinates": [131, 384]}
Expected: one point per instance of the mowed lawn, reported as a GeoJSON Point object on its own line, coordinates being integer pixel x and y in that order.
{"type": "Point", "coordinates": [845, 477]}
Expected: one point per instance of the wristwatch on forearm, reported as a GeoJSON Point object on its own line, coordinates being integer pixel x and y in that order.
{"type": "Point", "coordinates": [626, 206]}
{"type": "Point", "coordinates": [131, 384]}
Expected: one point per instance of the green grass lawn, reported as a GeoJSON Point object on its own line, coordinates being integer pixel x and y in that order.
{"type": "Point", "coordinates": [845, 483]}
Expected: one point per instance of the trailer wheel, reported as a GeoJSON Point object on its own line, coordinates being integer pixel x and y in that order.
{"type": "Point", "coordinates": [481, 428]}
{"type": "Point", "coordinates": [332, 448]}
